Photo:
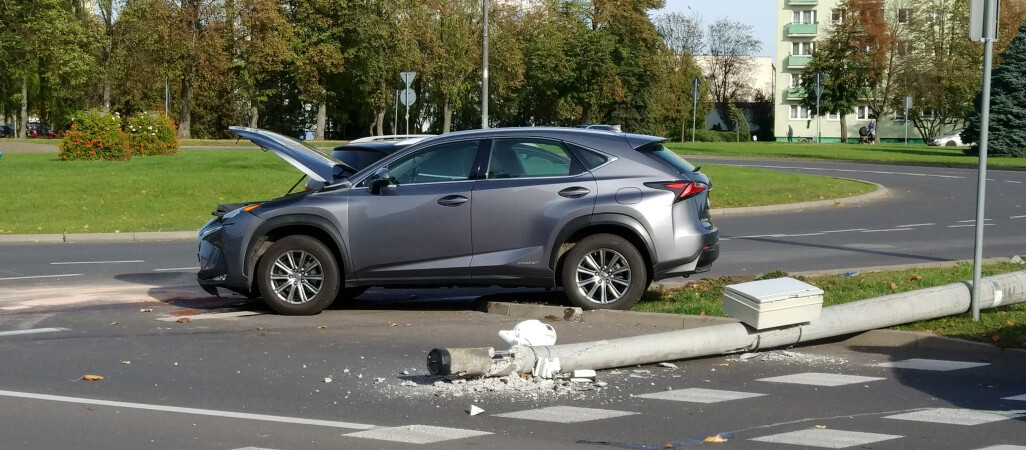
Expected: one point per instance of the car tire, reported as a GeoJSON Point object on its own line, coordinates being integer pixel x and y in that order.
{"type": "Point", "coordinates": [950, 144]}
{"type": "Point", "coordinates": [298, 276]}
{"type": "Point", "coordinates": [604, 271]}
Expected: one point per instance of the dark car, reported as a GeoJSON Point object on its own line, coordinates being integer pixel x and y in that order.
{"type": "Point", "coordinates": [6, 131]}
{"type": "Point", "coordinates": [600, 214]}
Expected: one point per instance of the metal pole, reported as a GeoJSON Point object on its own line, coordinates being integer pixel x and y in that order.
{"type": "Point", "coordinates": [395, 115]}
{"type": "Point", "coordinates": [694, 108]}
{"type": "Point", "coordinates": [167, 93]}
{"type": "Point", "coordinates": [981, 189]}
{"type": "Point", "coordinates": [484, 72]}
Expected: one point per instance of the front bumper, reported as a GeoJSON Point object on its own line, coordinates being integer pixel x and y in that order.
{"type": "Point", "coordinates": [215, 266]}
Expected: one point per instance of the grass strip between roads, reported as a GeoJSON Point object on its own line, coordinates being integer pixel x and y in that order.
{"type": "Point", "coordinates": [177, 193]}
{"type": "Point", "coordinates": [1003, 326]}
{"type": "Point", "coordinates": [885, 153]}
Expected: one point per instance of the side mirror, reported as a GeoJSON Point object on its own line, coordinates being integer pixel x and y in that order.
{"type": "Point", "coordinates": [380, 181]}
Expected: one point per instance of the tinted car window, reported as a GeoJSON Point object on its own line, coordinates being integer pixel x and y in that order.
{"type": "Point", "coordinates": [590, 158]}
{"type": "Point", "coordinates": [445, 162]}
{"type": "Point", "coordinates": [517, 158]}
{"type": "Point", "coordinates": [667, 156]}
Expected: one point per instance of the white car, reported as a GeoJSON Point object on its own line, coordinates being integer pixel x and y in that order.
{"type": "Point", "coordinates": [948, 140]}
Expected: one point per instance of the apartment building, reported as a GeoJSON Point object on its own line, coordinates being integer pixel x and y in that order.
{"type": "Point", "coordinates": [800, 24]}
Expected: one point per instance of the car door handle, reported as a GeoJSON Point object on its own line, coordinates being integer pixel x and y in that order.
{"type": "Point", "coordinates": [574, 192]}
{"type": "Point", "coordinates": [452, 200]}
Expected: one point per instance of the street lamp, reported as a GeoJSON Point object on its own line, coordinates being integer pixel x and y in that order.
{"type": "Point", "coordinates": [484, 72]}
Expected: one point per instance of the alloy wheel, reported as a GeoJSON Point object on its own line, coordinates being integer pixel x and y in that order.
{"type": "Point", "coordinates": [603, 276]}
{"type": "Point", "coordinates": [296, 277]}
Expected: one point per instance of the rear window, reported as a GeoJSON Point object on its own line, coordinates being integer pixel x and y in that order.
{"type": "Point", "coordinates": [660, 153]}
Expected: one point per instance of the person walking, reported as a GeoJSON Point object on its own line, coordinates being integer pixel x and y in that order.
{"type": "Point", "coordinates": [790, 134]}
{"type": "Point", "coordinates": [872, 131]}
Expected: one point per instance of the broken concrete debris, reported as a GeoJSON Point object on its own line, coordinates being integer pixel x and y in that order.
{"type": "Point", "coordinates": [546, 368]}
{"type": "Point", "coordinates": [668, 365]}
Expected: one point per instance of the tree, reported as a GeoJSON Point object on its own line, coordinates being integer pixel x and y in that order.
{"type": "Point", "coordinates": [452, 47]}
{"type": "Point", "coordinates": [320, 27]}
{"type": "Point", "coordinates": [682, 33]}
{"type": "Point", "coordinates": [634, 55]}
{"type": "Point", "coordinates": [264, 42]}
{"type": "Point", "coordinates": [729, 66]}
{"type": "Point", "coordinates": [1007, 131]}
{"type": "Point", "coordinates": [673, 95]}
{"type": "Point", "coordinates": [845, 67]}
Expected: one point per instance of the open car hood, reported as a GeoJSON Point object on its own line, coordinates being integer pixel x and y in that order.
{"type": "Point", "coordinates": [313, 162]}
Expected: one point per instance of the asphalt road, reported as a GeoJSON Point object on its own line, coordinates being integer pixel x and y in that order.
{"type": "Point", "coordinates": [235, 377]}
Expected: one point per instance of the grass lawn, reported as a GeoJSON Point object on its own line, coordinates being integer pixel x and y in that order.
{"type": "Point", "coordinates": [892, 153]}
{"type": "Point", "coordinates": [43, 195]}
{"type": "Point", "coordinates": [1004, 326]}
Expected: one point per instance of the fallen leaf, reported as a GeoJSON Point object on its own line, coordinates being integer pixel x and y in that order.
{"type": "Point", "coordinates": [146, 310]}
{"type": "Point", "coordinates": [723, 364]}
{"type": "Point", "coordinates": [112, 323]}
{"type": "Point", "coordinates": [716, 438]}
{"type": "Point", "coordinates": [916, 278]}
{"type": "Point", "coordinates": [820, 427]}
{"type": "Point", "coordinates": [126, 362]}
{"type": "Point", "coordinates": [92, 377]}
{"type": "Point", "coordinates": [1010, 322]}
{"type": "Point", "coordinates": [995, 338]}
{"type": "Point", "coordinates": [321, 327]}
{"type": "Point", "coordinates": [701, 313]}
{"type": "Point", "coordinates": [893, 286]}
{"type": "Point", "coordinates": [184, 320]}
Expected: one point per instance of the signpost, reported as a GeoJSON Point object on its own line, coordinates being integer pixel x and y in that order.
{"type": "Point", "coordinates": [908, 107]}
{"type": "Point", "coordinates": [694, 106]}
{"type": "Point", "coordinates": [983, 26]}
{"type": "Point", "coordinates": [819, 96]}
{"type": "Point", "coordinates": [407, 96]}
{"type": "Point", "coordinates": [484, 70]}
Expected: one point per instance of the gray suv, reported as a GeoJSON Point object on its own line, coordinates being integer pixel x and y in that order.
{"type": "Point", "coordinates": [600, 214]}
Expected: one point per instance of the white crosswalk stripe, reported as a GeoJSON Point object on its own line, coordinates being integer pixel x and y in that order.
{"type": "Point", "coordinates": [417, 434]}
{"type": "Point", "coordinates": [820, 379]}
{"type": "Point", "coordinates": [952, 416]}
{"type": "Point", "coordinates": [931, 364]}
{"type": "Point", "coordinates": [565, 414]}
{"type": "Point", "coordinates": [698, 395]}
{"type": "Point", "coordinates": [825, 438]}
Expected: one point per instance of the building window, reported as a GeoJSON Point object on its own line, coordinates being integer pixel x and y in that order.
{"type": "Point", "coordinates": [902, 48]}
{"type": "Point", "coordinates": [837, 16]}
{"type": "Point", "coordinates": [834, 117]}
{"type": "Point", "coordinates": [905, 16]}
{"type": "Point", "coordinates": [862, 113]}
{"type": "Point", "coordinates": [799, 112]}
{"type": "Point", "coordinates": [796, 80]}
{"type": "Point", "coordinates": [899, 115]}
{"type": "Point", "coordinates": [804, 17]}
{"type": "Point", "coordinates": [928, 114]}
{"type": "Point", "coordinates": [801, 48]}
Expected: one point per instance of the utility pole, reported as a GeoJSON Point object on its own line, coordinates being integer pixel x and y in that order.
{"type": "Point", "coordinates": [819, 97]}
{"type": "Point", "coordinates": [983, 24]}
{"type": "Point", "coordinates": [694, 106]}
{"type": "Point", "coordinates": [484, 72]}
{"type": "Point", "coordinates": [908, 107]}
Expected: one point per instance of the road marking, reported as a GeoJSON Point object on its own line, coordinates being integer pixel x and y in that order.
{"type": "Point", "coordinates": [825, 438]}
{"type": "Point", "coordinates": [889, 229]}
{"type": "Point", "coordinates": [1017, 398]}
{"type": "Point", "coordinates": [971, 221]}
{"type": "Point", "coordinates": [565, 414]}
{"type": "Point", "coordinates": [31, 331]}
{"type": "Point", "coordinates": [417, 434]}
{"type": "Point", "coordinates": [846, 231]}
{"type": "Point", "coordinates": [176, 269]}
{"type": "Point", "coordinates": [969, 225]}
{"type": "Point", "coordinates": [917, 225]}
{"type": "Point", "coordinates": [1010, 181]}
{"type": "Point", "coordinates": [820, 379]}
{"type": "Point", "coordinates": [194, 411]}
{"type": "Point", "coordinates": [1017, 217]}
{"type": "Point", "coordinates": [65, 263]}
{"type": "Point", "coordinates": [930, 364]}
{"type": "Point", "coordinates": [41, 276]}
{"type": "Point", "coordinates": [698, 395]}
{"type": "Point", "coordinates": [223, 315]}
{"type": "Point", "coordinates": [953, 416]}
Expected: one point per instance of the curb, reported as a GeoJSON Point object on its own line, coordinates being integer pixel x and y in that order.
{"type": "Point", "coordinates": [79, 238]}
{"type": "Point", "coordinates": [873, 338]}
{"type": "Point", "coordinates": [879, 193]}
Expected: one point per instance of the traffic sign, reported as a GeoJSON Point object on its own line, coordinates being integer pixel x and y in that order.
{"type": "Point", "coordinates": [407, 97]}
{"type": "Point", "coordinates": [408, 78]}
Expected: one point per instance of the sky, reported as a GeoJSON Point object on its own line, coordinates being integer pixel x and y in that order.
{"type": "Point", "coordinates": [760, 14]}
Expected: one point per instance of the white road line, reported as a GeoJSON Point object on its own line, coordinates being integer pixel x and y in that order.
{"type": "Point", "coordinates": [96, 262]}
{"type": "Point", "coordinates": [969, 225]}
{"type": "Point", "coordinates": [889, 229]}
{"type": "Point", "coordinates": [846, 231]}
{"type": "Point", "coordinates": [1017, 217]}
{"type": "Point", "coordinates": [1010, 181]}
{"type": "Point", "coordinates": [194, 411]}
{"type": "Point", "coordinates": [31, 331]}
{"type": "Point", "coordinates": [176, 269]}
{"type": "Point", "coordinates": [917, 225]}
{"type": "Point", "coordinates": [971, 221]}
{"type": "Point", "coordinates": [41, 276]}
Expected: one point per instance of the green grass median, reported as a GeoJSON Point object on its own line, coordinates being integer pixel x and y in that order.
{"type": "Point", "coordinates": [43, 195]}
{"type": "Point", "coordinates": [1004, 326]}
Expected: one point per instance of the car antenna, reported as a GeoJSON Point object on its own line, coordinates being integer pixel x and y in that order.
{"type": "Point", "coordinates": [297, 184]}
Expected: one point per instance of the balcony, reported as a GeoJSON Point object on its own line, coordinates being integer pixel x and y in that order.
{"type": "Point", "coordinates": [802, 2]}
{"type": "Point", "coordinates": [802, 29]}
{"type": "Point", "coordinates": [798, 61]}
{"type": "Point", "coordinates": [794, 93]}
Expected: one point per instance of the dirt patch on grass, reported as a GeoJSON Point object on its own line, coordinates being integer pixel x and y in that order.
{"type": "Point", "coordinates": [25, 147]}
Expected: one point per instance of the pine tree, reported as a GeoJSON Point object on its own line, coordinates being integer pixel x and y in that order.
{"type": "Point", "coordinates": [1007, 134]}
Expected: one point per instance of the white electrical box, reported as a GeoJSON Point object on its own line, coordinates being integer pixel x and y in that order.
{"type": "Point", "coordinates": [773, 303]}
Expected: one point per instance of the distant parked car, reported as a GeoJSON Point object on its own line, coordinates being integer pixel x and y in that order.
{"type": "Point", "coordinates": [601, 215]}
{"type": "Point", "coordinates": [38, 130]}
{"type": "Point", "coordinates": [6, 131]}
{"type": "Point", "coordinates": [602, 127]}
{"type": "Point", "coordinates": [948, 140]}
{"type": "Point", "coordinates": [359, 155]}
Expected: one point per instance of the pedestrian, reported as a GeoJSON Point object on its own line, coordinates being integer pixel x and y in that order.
{"type": "Point", "coordinates": [872, 131]}
{"type": "Point", "coordinates": [790, 134]}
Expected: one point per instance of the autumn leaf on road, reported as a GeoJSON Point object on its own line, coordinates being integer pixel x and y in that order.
{"type": "Point", "coordinates": [92, 377]}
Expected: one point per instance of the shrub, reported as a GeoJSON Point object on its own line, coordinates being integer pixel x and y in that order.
{"type": "Point", "coordinates": [95, 136]}
{"type": "Point", "coordinates": [720, 136]}
{"type": "Point", "coordinates": [152, 135]}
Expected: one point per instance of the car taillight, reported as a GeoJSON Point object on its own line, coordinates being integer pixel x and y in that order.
{"type": "Point", "coordinates": [683, 189]}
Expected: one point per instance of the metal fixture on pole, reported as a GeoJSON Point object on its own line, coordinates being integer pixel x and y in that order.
{"type": "Point", "coordinates": [694, 106]}
{"type": "Point", "coordinates": [484, 72]}
{"type": "Point", "coordinates": [407, 96]}
{"type": "Point", "coordinates": [983, 26]}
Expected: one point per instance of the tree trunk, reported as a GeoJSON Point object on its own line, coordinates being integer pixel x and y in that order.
{"type": "Point", "coordinates": [254, 116]}
{"type": "Point", "coordinates": [683, 128]}
{"type": "Point", "coordinates": [446, 118]}
{"type": "Point", "coordinates": [322, 116]}
{"type": "Point", "coordinates": [380, 121]}
{"type": "Point", "coordinates": [185, 115]}
{"type": "Point", "coordinates": [844, 129]}
{"type": "Point", "coordinates": [24, 106]}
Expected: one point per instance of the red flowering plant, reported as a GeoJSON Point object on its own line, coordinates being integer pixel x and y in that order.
{"type": "Point", "coordinates": [95, 136]}
{"type": "Point", "coordinates": [152, 134]}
